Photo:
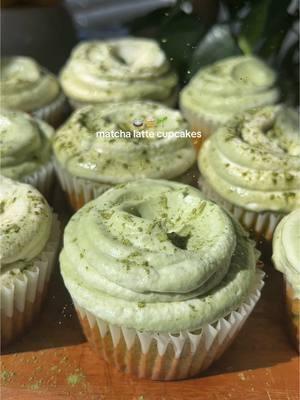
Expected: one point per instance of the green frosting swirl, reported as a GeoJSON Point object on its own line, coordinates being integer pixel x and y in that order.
{"type": "Point", "coordinates": [118, 70]}
{"type": "Point", "coordinates": [25, 143]}
{"type": "Point", "coordinates": [81, 150]}
{"type": "Point", "coordinates": [143, 256]}
{"type": "Point", "coordinates": [25, 224]}
{"type": "Point", "coordinates": [229, 86]}
{"type": "Point", "coordinates": [253, 161]}
{"type": "Point", "coordinates": [286, 249]}
{"type": "Point", "coordinates": [25, 85]}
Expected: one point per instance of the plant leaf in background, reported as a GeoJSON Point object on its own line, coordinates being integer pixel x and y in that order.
{"type": "Point", "coordinates": [218, 43]}
{"type": "Point", "coordinates": [253, 26]}
{"type": "Point", "coordinates": [177, 31]}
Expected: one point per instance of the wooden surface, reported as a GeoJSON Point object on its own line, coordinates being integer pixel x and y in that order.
{"type": "Point", "coordinates": [53, 361]}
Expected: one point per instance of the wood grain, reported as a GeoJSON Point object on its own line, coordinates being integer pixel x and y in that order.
{"type": "Point", "coordinates": [53, 361]}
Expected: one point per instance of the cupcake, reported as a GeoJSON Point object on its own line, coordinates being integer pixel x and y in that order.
{"type": "Point", "coordinates": [252, 167]}
{"type": "Point", "coordinates": [25, 152]}
{"type": "Point", "coordinates": [163, 295]}
{"type": "Point", "coordinates": [106, 71]}
{"type": "Point", "coordinates": [29, 242]}
{"type": "Point", "coordinates": [26, 86]}
{"type": "Point", "coordinates": [101, 146]}
{"type": "Point", "coordinates": [225, 88]}
{"type": "Point", "coordinates": [286, 259]}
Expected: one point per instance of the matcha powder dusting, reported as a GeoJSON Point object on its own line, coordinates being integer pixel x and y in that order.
{"type": "Point", "coordinates": [75, 378]}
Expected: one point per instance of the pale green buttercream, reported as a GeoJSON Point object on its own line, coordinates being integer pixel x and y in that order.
{"type": "Point", "coordinates": [25, 143]}
{"type": "Point", "coordinates": [286, 249]}
{"type": "Point", "coordinates": [253, 161]}
{"type": "Point", "coordinates": [83, 152]}
{"type": "Point", "coordinates": [25, 225]}
{"type": "Point", "coordinates": [229, 86]}
{"type": "Point", "coordinates": [25, 85]}
{"type": "Point", "coordinates": [118, 70]}
{"type": "Point", "coordinates": [143, 255]}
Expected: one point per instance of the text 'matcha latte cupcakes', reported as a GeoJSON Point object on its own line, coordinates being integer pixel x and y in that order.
{"type": "Point", "coordinates": [225, 88]}
{"type": "Point", "coordinates": [27, 86]}
{"type": "Point", "coordinates": [25, 151]}
{"type": "Point", "coordinates": [29, 238]}
{"type": "Point", "coordinates": [105, 71]}
{"type": "Point", "coordinates": [252, 167]}
{"type": "Point", "coordinates": [158, 292]}
{"type": "Point", "coordinates": [286, 259]}
{"type": "Point", "coordinates": [88, 163]}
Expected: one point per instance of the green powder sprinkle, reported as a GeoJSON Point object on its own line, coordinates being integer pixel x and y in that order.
{"type": "Point", "coordinates": [75, 379]}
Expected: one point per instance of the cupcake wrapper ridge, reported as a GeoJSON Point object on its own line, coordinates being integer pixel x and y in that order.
{"type": "Point", "coordinates": [262, 223]}
{"type": "Point", "coordinates": [41, 179]}
{"type": "Point", "coordinates": [22, 297]}
{"type": "Point", "coordinates": [80, 191]}
{"type": "Point", "coordinates": [54, 113]}
{"type": "Point", "coordinates": [164, 356]}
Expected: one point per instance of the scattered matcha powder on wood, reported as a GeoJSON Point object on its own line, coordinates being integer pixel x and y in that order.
{"type": "Point", "coordinates": [75, 378]}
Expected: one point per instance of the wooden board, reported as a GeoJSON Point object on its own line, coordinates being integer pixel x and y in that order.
{"type": "Point", "coordinates": [53, 361]}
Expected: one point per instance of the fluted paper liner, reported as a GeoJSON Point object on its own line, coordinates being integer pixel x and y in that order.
{"type": "Point", "coordinates": [165, 356]}
{"type": "Point", "coordinates": [292, 305]}
{"type": "Point", "coordinates": [22, 296]}
{"type": "Point", "coordinates": [42, 178]}
{"type": "Point", "coordinates": [262, 223]}
{"type": "Point", "coordinates": [80, 191]}
{"type": "Point", "coordinates": [54, 113]}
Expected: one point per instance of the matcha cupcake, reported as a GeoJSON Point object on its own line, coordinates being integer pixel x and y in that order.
{"type": "Point", "coordinates": [252, 167]}
{"type": "Point", "coordinates": [106, 71]}
{"type": "Point", "coordinates": [27, 86]}
{"type": "Point", "coordinates": [286, 259]}
{"type": "Point", "coordinates": [164, 295]}
{"type": "Point", "coordinates": [101, 146]}
{"type": "Point", "coordinates": [225, 88]}
{"type": "Point", "coordinates": [29, 235]}
{"type": "Point", "coordinates": [25, 152]}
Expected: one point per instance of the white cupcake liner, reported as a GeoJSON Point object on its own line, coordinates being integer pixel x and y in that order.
{"type": "Point", "coordinates": [80, 191]}
{"type": "Point", "coordinates": [54, 113]}
{"type": "Point", "coordinates": [262, 223]}
{"type": "Point", "coordinates": [199, 122]}
{"type": "Point", "coordinates": [165, 356]}
{"type": "Point", "coordinates": [23, 293]}
{"type": "Point", "coordinates": [42, 179]}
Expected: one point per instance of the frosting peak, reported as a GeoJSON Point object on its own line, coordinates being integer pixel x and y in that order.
{"type": "Point", "coordinates": [25, 223]}
{"type": "Point", "coordinates": [116, 70]}
{"type": "Point", "coordinates": [25, 85]}
{"type": "Point", "coordinates": [229, 86]}
{"type": "Point", "coordinates": [25, 143]}
{"type": "Point", "coordinates": [253, 161]}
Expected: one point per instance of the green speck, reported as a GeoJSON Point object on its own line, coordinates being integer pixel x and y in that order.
{"type": "Point", "coordinates": [75, 379]}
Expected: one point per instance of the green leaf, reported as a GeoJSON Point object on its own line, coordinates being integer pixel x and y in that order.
{"type": "Point", "coordinates": [179, 38]}
{"type": "Point", "coordinates": [254, 25]}
{"type": "Point", "coordinates": [218, 43]}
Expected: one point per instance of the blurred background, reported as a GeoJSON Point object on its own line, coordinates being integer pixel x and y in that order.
{"type": "Point", "coordinates": [193, 33]}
